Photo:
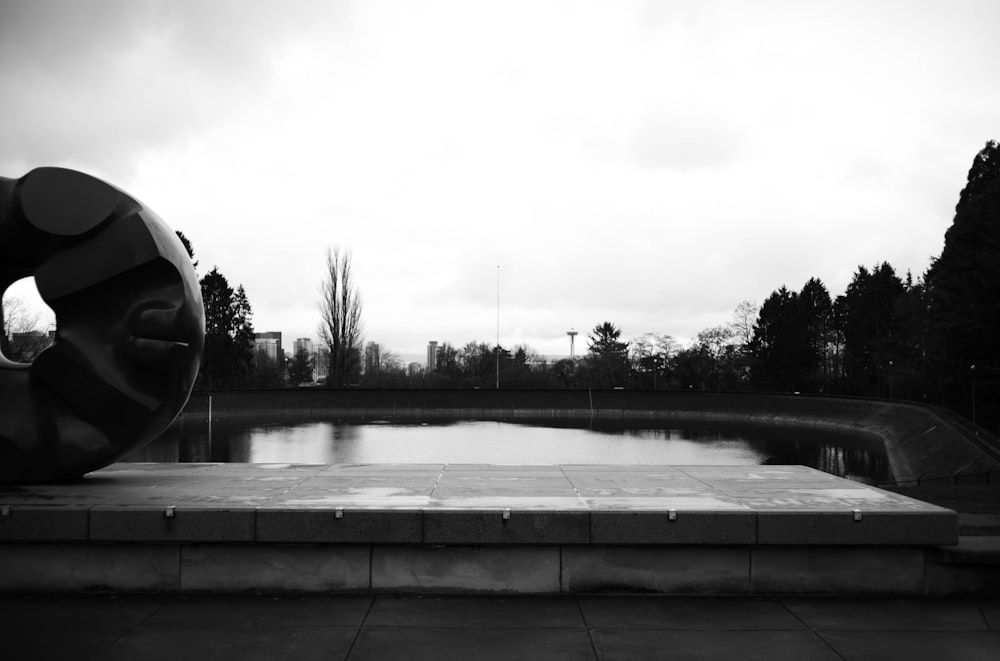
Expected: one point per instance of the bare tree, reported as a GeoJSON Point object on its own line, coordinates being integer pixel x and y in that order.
{"type": "Point", "coordinates": [744, 319]}
{"type": "Point", "coordinates": [340, 319]}
{"type": "Point", "coordinates": [22, 338]}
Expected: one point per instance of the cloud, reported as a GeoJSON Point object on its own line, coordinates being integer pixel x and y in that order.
{"type": "Point", "coordinates": [104, 82]}
{"type": "Point", "coordinates": [650, 164]}
{"type": "Point", "coordinates": [673, 140]}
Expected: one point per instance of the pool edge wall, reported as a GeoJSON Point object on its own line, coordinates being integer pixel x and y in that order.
{"type": "Point", "coordinates": [460, 569]}
{"type": "Point", "coordinates": [922, 443]}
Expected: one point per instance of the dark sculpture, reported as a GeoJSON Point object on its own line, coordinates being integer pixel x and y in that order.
{"type": "Point", "coordinates": [130, 325]}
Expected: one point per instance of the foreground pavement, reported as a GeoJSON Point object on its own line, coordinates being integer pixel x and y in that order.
{"type": "Point", "coordinates": [357, 627]}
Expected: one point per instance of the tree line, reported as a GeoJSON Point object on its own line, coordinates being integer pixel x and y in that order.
{"type": "Point", "coordinates": [231, 358]}
{"type": "Point", "coordinates": [929, 338]}
{"type": "Point", "coordinates": [933, 338]}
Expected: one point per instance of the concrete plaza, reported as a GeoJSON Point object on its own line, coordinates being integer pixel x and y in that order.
{"type": "Point", "coordinates": [225, 561]}
{"type": "Point", "coordinates": [549, 628]}
{"type": "Point", "coordinates": [570, 529]}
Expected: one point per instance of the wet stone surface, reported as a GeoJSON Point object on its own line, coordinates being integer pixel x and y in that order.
{"type": "Point", "coordinates": [469, 504]}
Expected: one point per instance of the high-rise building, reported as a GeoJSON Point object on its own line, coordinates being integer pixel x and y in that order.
{"type": "Point", "coordinates": [270, 345]}
{"type": "Point", "coordinates": [322, 364]}
{"type": "Point", "coordinates": [303, 343]}
{"type": "Point", "coordinates": [432, 355]}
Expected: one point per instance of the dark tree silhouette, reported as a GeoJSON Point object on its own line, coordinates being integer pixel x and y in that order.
{"type": "Point", "coordinates": [963, 284]}
{"type": "Point", "coordinates": [868, 318]}
{"type": "Point", "coordinates": [608, 356]}
{"type": "Point", "coordinates": [188, 247]}
{"type": "Point", "coordinates": [228, 359]}
{"type": "Point", "coordinates": [300, 368]}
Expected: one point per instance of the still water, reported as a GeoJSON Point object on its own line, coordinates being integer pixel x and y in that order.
{"type": "Point", "coordinates": [538, 442]}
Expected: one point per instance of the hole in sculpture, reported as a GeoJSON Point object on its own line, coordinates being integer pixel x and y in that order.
{"type": "Point", "coordinates": [28, 323]}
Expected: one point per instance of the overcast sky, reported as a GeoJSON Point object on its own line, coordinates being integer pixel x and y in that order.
{"type": "Point", "coordinates": [652, 164]}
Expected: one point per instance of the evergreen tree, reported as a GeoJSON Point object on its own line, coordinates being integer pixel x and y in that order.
{"type": "Point", "coordinates": [817, 317]}
{"type": "Point", "coordinates": [963, 284]}
{"type": "Point", "coordinates": [869, 321]}
{"type": "Point", "coordinates": [243, 338]}
{"type": "Point", "coordinates": [780, 342]}
{"type": "Point", "coordinates": [188, 247]}
{"type": "Point", "coordinates": [216, 361]}
{"type": "Point", "coordinates": [300, 368]}
{"type": "Point", "coordinates": [228, 359]}
{"type": "Point", "coordinates": [608, 355]}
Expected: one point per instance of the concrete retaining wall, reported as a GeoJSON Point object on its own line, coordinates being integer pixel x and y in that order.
{"type": "Point", "coordinates": [339, 568]}
{"type": "Point", "coordinates": [922, 443]}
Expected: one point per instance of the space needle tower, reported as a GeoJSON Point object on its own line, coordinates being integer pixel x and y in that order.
{"type": "Point", "coordinates": [572, 337]}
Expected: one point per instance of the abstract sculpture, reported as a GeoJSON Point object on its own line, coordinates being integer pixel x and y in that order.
{"type": "Point", "coordinates": [130, 325]}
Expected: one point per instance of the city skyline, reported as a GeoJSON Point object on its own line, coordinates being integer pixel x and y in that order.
{"type": "Point", "coordinates": [650, 164]}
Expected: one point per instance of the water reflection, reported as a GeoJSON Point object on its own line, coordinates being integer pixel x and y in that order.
{"type": "Point", "coordinates": [541, 442]}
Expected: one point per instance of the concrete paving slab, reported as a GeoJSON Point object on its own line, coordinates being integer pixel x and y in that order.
{"type": "Point", "coordinates": [827, 499]}
{"type": "Point", "coordinates": [228, 610]}
{"type": "Point", "coordinates": [382, 491]}
{"type": "Point", "coordinates": [614, 644]}
{"type": "Point", "coordinates": [57, 612]}
{"type": "Point", "coordinates": [381, 498]}
{"type": "Point", "coordinates": [888, 614]}
{"type": "Point", "coordinates": [991, 611]}
{"type": "Point", "coordinates": [557, 502]}
{"type": "Point", "coordinates": [501, 472]}
{"type": "Point", "coordinates": [93, 643]}
{"type": "Point", "coordinates": [380, 469]}
{"type": "Point", "coordinates": [501, 468]}
{"type": "Point", "coordinates": [485, 482]}
{"type": "Point", "coordinates": [388, 627]}
{"type": "Point", "coordinates": [756, 473]}
{"type": "Point", "coordinates": [937, 645]}
{"type": "Point", "coordinates": [162, 468]}
{"type": "Point", "coordinates": [461, 644]}
{"type": "Point", "coordinates": [626, 484]}
{"type": "Point", "coordinates": [457, 495]}
{"type": "Point", "coordinates": [707, 502]}
{"type": "Point", "coordinates": [416, 481]}
{"type": "Point", "coordinates": [472, 612]}
{"type": "Point", "coordinates": [691, 614]}
{"type": "Point", "coordinates": [787, 504]}
{"type": "Point", "coordinates": [212, 643]}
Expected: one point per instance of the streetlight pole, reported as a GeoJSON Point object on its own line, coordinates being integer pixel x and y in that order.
{"type": "Point", "coordinates": [891, 375]}
{"type": "Point", "coordinates": [498, 327]}
{"type": "Point", "coordinates": [973, 370]}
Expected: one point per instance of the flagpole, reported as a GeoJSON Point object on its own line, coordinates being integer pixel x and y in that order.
{"type": "Point", "coordinates": [498, 327]}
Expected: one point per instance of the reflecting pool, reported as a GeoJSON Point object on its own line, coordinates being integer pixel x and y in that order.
{"type": "Point", "coordinates": [534, 443]}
